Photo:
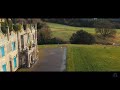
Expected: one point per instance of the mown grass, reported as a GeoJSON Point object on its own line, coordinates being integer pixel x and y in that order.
{"type": "Point", "coordinates": [93, 58]}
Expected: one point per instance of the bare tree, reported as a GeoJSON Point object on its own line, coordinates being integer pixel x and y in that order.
{"type": "Point", "coordinates": [104, 28]}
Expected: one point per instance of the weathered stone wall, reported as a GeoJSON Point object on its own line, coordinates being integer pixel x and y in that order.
{"type": "Point", "coordinates": [9, 54]}
{"type": "Point", "coordinates": [32, 37]}
{"type": "Point", "coordinates": [16, 37]}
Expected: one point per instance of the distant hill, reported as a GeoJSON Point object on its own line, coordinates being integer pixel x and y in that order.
{"type": "Point", "coordinates": [82, 22]}
{"type": "Point", "coordinates": [64, 32]}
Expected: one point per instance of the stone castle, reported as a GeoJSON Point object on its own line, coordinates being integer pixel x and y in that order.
{"type": "Point", "coordinates": [18, 50]}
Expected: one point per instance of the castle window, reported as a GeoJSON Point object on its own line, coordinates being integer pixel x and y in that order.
{"type": "Point", "coordinates": [13, 46]}
{"type": "Point", "coordinates": [4, 67]}
{"type": "Point", "coordinates": [2, 51]}
{"type": "Point", "coordinates": [15, 62]}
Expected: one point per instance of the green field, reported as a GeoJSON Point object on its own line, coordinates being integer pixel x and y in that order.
{"type": "Point", "coordinates": [91, 57]}
{"type": "Point", "coordinates": [64, 32]}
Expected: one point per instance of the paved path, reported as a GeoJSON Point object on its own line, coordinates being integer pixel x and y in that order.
{"type": "Point", "coordinates": [54, 59]}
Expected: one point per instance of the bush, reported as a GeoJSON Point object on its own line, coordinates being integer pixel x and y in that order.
{"type": "Point", "coordinates": [104, 41]}
{"type": "Point", "coordinates": [56, 41]}
{"type": "Point", "coordinates": [82, 37]}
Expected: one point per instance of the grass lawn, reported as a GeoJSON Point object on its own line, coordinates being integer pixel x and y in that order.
{"type": "Point", "coordinates": [65, 32]}
{"type": "Point", "coordinates": [91, 57]}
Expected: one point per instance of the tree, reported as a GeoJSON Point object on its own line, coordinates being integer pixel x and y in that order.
{"type": "Point", "coordinates": [17, 27]}
{"type": "Point", "coordinates": [10, 24]}
{"type": "Point", "coordinates": [82, 37]}
{"type": "Point", "coordinates": [56, 40]}
{"type": "Point", "coordinates": [41, 25]}
{"type": "Point", "coordinates": [4, 26]}
{"type": "Point", "coordinates": [4, 29]}
{"type": "Point", "coordinates": [33, 20]}
{"type": "Point", "coordinates": [79, 22]}
{"type": "Point", "coordinates": [104, 28]}
{"type": "Point", "coordinates": [18, 20]}
{"type": "Point", "coordinates": [43, 33]}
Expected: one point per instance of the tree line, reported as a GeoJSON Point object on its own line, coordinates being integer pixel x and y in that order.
{"type": "Point", "coordinates": [82, 22]}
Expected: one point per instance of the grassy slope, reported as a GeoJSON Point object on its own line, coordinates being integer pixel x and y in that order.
{"type": "Point", "coordinates": [91, 57]}
{"type": "Point", "coordinates": [64, 32]}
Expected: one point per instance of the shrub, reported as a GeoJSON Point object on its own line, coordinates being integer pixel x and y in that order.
{"type": "Point", "coordinates": [104, 41]}
{"type": "Point", "coordinates": [56, 41]}
{"type": "Point", "coordinates": [82, 37]}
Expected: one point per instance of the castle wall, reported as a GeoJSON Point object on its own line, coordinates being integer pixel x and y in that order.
{"type": "Point", "coordinates": [10, 54]}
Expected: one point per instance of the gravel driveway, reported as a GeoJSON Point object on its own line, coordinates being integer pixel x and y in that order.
{"type": "Point", "coordinates": [54, 59]}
